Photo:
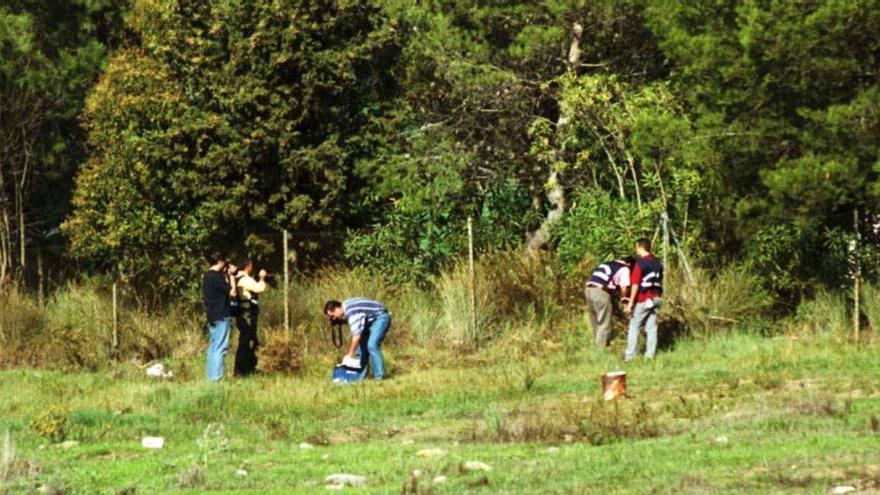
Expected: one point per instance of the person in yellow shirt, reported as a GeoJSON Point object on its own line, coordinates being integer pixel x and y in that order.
{"type": "Point", "coordinates": [249, 291]}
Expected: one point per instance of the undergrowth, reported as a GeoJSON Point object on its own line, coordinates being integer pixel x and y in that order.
{"type": "Point", "coordinates": [525, 305]}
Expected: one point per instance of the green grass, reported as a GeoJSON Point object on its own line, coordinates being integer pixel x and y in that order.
{"type": "Point", "coordinates": [796, 415]}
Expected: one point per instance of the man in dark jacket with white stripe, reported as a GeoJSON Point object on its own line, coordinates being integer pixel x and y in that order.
{"type": "Point", "coordinates": [369, 322]}
{"type": "Point", "coordinates": [605, 280]}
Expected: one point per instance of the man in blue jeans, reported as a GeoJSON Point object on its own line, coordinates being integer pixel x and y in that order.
{"type": "Point", "coordinates": [646, 295]}
{"type": "Point", "coordinates": [218, 290]}
{"type": "Point", "coordinates": [368, 321]}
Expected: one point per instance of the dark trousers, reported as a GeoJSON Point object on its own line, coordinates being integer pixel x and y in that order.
{"type": "Point", "coordinates": [246, 354]}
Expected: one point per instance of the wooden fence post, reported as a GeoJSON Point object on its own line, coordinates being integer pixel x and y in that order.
{"type": "Point", "coordinates": [286, 283]}
{"type": "Point", "coordinates": [115, 337]}
{"type": "Point", "coordinates": [857, 275]}
{"type": "Point", "coordinates": [473, 284]}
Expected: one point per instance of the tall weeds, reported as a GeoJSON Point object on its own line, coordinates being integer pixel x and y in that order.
{"type": "Point", "coordinates": [73, 329]}
{"type": "Point", "coordinates": [824, 314]}
{"type": "Point", "coordinates": [522, 302]}
{"type": "Point", "coordinates": [871, 306]}
{"type": "Point", "coordinates": [710, 304]}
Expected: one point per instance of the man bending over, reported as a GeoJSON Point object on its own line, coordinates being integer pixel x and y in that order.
{"type": "Point", "coordinates": [368, 321]}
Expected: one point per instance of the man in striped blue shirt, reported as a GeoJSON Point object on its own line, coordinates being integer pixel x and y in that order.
{"type": "Point", "coordinates": [368, 321]}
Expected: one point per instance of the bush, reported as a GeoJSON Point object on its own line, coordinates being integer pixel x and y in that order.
{"type": "Point", "coordinates": [51, 424]}
{"type": "Point", "coordinates": [871, 306]}
{"type": "Point", "coordinates": [599, 227]}
{"type": "Point", "coordinates": [513, 289]}
{"type": "Point", "coordinates": [599, 423]}
{"type": "Point", "coordinates": [15, 471]}
{"type": "Point", "coordinates": [455, 322]}
{"type": "Point", "coordinates": [715, 303]}
{"type": "Point", "coordinates": [824, 314]}
{"type": "Point", "coordinates": [73, 329]}
{"type": "Point", "coordinates": [280, 352]}
{"type": "Point", "coordinates": [793, 259]}
{"type": "Point", "coordinates": [20, 318]}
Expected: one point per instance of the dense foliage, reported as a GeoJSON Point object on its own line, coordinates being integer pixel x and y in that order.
{"type": "Point", "coordinates": [372, 130]}
{"type": "Point", "coordinates": [50, 53]}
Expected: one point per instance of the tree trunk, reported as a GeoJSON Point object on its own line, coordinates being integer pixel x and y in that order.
{"type": "Point", "coordinates": [632, 168]}
{"type": "Point", "coordinates": [22, 236]}
{"type": "Point", "coordinates": [555, 192]}
{"type": "Point", "coordinates": [556, 197]}
{"type": "Point", "coordinates": [5, 232]}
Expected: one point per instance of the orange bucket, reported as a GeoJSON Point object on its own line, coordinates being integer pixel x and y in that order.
{"type": "Point", "coordinates": [614, 385]}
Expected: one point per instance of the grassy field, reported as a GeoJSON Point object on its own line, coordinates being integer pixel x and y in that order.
{"type": "Point", "coordinates": [728, 414]}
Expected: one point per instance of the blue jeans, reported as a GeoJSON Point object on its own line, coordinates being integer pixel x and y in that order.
{"type": "Point", "coordinates": [643, 312]}
{"type": "Point", "coordinates": [370, 345]}
{"type": "Point", "coordinates": [218, 344]}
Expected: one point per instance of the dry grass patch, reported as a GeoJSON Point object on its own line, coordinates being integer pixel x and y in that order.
{"type": "Point", "coordinates": [591, 420]}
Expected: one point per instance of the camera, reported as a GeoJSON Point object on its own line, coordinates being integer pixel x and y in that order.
{"type": "Point", "coordinates": [272, 281]}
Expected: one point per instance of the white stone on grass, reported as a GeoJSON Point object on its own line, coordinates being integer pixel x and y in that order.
{"type": "Point", "coordinates": [152, 442]}
{"type": "Point", "coordinates": [306, 446]}
{"type": "Point", "coordinates": [344, 479]}
{"type": "Point", "coordinates": [439, 480]}
{"type": "Point", "coordinates": [158, 371]}
{"type": "Point", "coordinates": [476, 466]}
{"type": "Point", "coordinates": [431, 453]}
{"type": "Point", "coordinates": [840, 490]}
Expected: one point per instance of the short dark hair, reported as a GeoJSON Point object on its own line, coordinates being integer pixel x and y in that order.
{"type": "Point", "coordinates": [331, 305]}
{"type": "Point", "coordinates": [243, 262]}
{"type": "Point", "coordinates": [629, 260]}
{"type": "Point", "coordinates": [644, 243]}
{"type": "Point", "coordinates": [216, 257]}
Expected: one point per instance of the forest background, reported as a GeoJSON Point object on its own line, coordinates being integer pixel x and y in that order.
{"type": "Point", "coordinates": [139, 136]}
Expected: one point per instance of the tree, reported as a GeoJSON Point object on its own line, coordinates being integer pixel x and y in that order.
{"type": "Point", "coordinates": [49, 53]}
{"type": "Point", "coordinates": [247, 121]}
{"type": "Point", "coordinates": [785, 94]}
{"type": "Point", "coordinates": [476, 75]}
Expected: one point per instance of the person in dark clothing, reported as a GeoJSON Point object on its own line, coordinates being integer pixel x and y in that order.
{"type": "Point", "coordinates": [249, 291]}
{"type": "Point", "coordinates": [218, 288]}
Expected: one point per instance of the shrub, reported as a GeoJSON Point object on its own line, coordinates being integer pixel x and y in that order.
{"type": "Point", "coordinates": [525, 287]}
{"type": "Point", "coordinates": [513, 289]}
{"type": "Point", "coordinates": [600, 422]}
{"type": "Point", "coordinates": [280, 352]}
{"type": "Point", "coordinates": [599, 226]}
{"type": "Point", "coordinates": [714, 303]}
{"type": "Point", "coordinates": [793, 258]}
{"type": "Point", "coordinates": [15, 471]}
{"type": "Point", "coordinates": [871, 306]}
{"type": "Point", "coordinates": [192, 477]}
{"type": "Point", "coordinates": [455, 322]}
{"type": "Point", "coordinates": [825, 313]}
{"type": "Point", "coordinates": [20, 319]}
{"type": "Point", "coordinates": [51, 424]}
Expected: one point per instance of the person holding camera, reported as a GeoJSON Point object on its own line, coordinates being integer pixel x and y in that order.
{"type": "Point", "coordinates": [219, 289]}
{"type": "Point", "coordinates": [249, 291]}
